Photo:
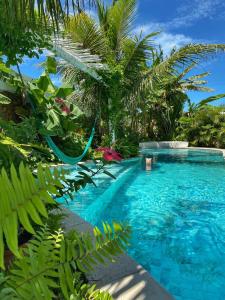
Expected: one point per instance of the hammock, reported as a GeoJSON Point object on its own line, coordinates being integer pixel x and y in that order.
{"type": "Point", "coordinates": [65, 158]}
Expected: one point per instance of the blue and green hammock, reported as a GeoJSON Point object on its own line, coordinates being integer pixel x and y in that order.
{"type": "Point", "coordinates": [66, 159]}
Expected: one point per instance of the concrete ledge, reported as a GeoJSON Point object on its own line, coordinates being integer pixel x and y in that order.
{"type": "Point", "coordinates": [163, 145]}
{"type": "Point", "coordinates": [209, 149]}
{"type": "Point", "coordinates": [124, 279]}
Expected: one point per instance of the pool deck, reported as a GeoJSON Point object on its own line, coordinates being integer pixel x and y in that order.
{"type": "Point", "coordinates": [124, 279]}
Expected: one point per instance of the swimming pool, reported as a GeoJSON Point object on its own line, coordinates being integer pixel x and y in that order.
{"type": "Point", "coordinates": [177, 214]}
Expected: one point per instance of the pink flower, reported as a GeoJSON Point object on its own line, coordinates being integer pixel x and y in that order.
{"type": "Point", "coordinates": [109, 154]}
{"type": "Point", "coordinates": [65, 109]}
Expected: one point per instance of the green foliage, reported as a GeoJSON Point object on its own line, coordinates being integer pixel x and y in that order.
{"type": "Point", "coordinates": [85, 175]}
{"type": "Point", "coordinates": [24, 197]}
{"type": "Point", "coordinates": [126, 58]}
{"type": "Point", "coordinates": [22, 132]}
{"type": "Point", "coordinates": [204, 127]}
{"type": "Point", "coordinates": [4, 99]}
{"type": "Point", "coordinates": [50, 264]}
{"type": "Point", "coordinates": [26, 26]}
{"type": "Point", "coordinates": [53, 107]}
{"type": "Point", "coordinates": [127, 148]}
{"type": "Point", "coordinates": [20, 141]}
{"type": "Point", "coordinates": [143, 89]}
{"type": "Point", "coordinates": [11, 151]}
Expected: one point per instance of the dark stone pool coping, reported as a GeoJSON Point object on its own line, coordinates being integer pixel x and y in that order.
{"type": "Point", "coordinates": [124, 279]}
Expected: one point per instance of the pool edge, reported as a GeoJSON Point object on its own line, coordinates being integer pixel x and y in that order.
{"type": "Point", "coordinates": [125, 279]}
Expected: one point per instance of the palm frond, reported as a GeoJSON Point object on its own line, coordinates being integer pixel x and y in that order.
{"type": "Point", "coordinates": [198, 76]}
{"type": "Point", "coordinates": [121, 18]}
{"type": "Point", "coordinates": [210, 99]}
{"type": "Point", "coordinates": [74, 56]}
{"type": "Point", "coordinates": [194, 87]}
{"type": "Point", "coordinates": [189, 54]}
{"type": "Point", "coordinates": [85, 31]}
{"type": "Point", "coordinates": [4, 99]}
{"type": "Point", "coordinates": [185, 57]}
{"type": "Point", "coordinates": [36, 11]}
{"type": "Point", "coordinates": [137, 52]}
{"type": "Point", "coordinates": [12, 144]}
{"type": "Point", "coordinates": [102, 12]}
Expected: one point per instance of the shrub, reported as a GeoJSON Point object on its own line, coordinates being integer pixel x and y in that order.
{"type": "Point", "coordinates": [126, 148]}
{"type": "Point", "coordinates": [204, 127]}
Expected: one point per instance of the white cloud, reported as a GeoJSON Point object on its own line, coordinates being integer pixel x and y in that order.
{"type": "Point", "coordinates": [168, 41]}
{"type": "Point", "coordinates": [147, 28]}
{"type": "Point", "coordinates": [165, 39]}
{"type": "Point", "coordinates": [192, 11]}
{"type": "Point", "coordinates": [188, 13]}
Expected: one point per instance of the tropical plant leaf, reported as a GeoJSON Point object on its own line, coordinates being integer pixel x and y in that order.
{"type": "Point", "coordinates": [73, 54]}
{"type": "Point", "coordinates": [210, 99]}
{"type": "Point", "coordinates": [24, 198]}
{"type": "Point", "coordinates": [7, 141]}
{"type": "Point", "coordinates": [50, 262]}
{"type": "Point", "coordinates": [4, 99]}
{"type": "Point", "coordinates": [121, 18]}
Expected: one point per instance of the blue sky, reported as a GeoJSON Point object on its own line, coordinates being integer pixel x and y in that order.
{"type": "Point", "coordinates": [188, 21]}
{"type": "Point", "coordinates": [180, 22]}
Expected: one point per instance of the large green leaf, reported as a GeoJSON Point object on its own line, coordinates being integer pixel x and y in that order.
{"type": "Point", "coordinates": [51, 65]}
{"type": "Point", "coordinates": [64, 92]}
{"type": "Point", "coordinates": [45, 84]}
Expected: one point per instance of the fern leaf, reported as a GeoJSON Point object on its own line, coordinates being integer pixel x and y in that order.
{"type": "Point", "coordinates": [23, 198]}
{"type": "Point", "coordinates": [49, 263]}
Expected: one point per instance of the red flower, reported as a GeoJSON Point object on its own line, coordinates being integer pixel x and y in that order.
{"type": "Point", "coordinates": [109, 154]}
{"type": "Point", "coordinates": [65, 109]}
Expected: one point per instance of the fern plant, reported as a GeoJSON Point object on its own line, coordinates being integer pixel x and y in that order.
{"type": "Point", "coordinates": [23, 199]}
{"type": "Point", "coordinates": [50, 264]}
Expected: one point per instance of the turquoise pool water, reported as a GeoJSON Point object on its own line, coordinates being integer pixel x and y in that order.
{"type": "Point", "coordinates": [177, 213]}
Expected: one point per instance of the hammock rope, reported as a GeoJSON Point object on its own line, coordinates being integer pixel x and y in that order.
{"type": "Point", "coordinates": [66, 159]}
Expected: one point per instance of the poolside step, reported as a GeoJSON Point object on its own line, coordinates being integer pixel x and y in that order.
{"type": "Point", "coordinates": [103, 200]}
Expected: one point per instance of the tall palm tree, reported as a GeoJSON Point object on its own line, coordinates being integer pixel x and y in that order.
{"type": "Point", "coordinates": [110, 37]}
{"type": "Point", "coordinates": [132, 69]}
{"type": "Point", "coordinates": [162, 101]}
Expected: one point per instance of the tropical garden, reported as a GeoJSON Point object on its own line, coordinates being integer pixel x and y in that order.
{"type": "Point", "coordinates": [117, 89]}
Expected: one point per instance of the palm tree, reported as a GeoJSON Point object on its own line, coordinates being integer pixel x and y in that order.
{"type": "Point", "coordinates": [110, 37]}
{"type": "Point", "coordinates": [163, 101]}
{"type": "Point", "coordinates": [132, 68]}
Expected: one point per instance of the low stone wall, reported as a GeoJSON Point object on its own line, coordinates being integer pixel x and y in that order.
{"type": "Point", "coordinates": [163, 145]}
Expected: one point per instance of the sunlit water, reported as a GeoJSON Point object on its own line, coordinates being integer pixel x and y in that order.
{"type": "Point", "coordinates": [177, 214]}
